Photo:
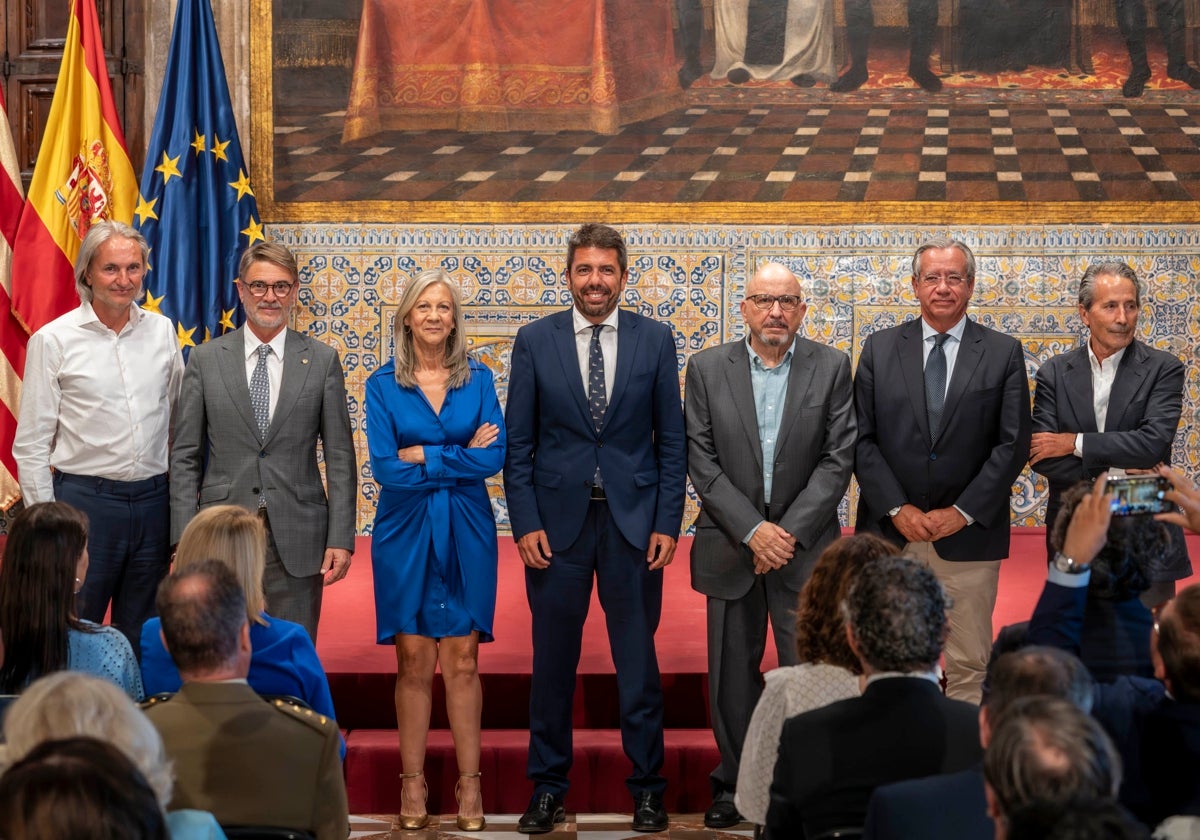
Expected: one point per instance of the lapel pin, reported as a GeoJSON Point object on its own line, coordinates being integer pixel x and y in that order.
{"type": "Point", "coordinates": [304, 361]}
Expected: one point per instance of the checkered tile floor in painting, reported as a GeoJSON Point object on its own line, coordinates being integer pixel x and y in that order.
{"type": "Point", "coordinates": [504, 827]}
{"type": "Point", "coordinates": [900, 151]}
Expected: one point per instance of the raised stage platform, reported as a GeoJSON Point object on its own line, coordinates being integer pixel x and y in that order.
{"type": "Point", "coordinates": [362, 677]}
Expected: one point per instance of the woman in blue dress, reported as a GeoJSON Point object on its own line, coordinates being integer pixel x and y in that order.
{"type": "Point", "coordinates": [435, 433]}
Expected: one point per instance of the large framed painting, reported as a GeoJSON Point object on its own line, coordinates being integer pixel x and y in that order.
{"type": "Point", "coordinates": [720, 111]}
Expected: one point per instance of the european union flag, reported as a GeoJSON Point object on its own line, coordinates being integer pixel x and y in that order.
{"type": "Point", "coordinates": [195, 207]}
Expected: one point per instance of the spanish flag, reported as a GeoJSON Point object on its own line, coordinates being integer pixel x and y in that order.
{"type": "Point", "coordinates": [12, 336]}
{"type": "Point", "coordinates": [82, 176]}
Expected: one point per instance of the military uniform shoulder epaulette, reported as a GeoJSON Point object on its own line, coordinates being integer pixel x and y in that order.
{"type": "Point", "coordinates": [155, 699]}
{"type": "Point", "coordinates": [316, 720]}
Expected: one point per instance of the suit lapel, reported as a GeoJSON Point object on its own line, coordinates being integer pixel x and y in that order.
{"type": "Point", "coordinates": [232, 368]}
{"type": "Point", "coordinates": [800, 378]}
{"type": "Point", "coordinates": [970, 354]}
{"type": "Point", "coordinates": [741, 394]}
{"type": "Point", "coordinates": [1128, 381]}
{"type": "Point", "coordinates": [568, 357]}
{"type": "Point", "coordinates": [1077, 385]}
{"type": "Point", "coordinates": [628, 336]}
{"type": "Point", "coordinates": [296, 358]}
{"type": "Point", "coordinates": [912, 368]}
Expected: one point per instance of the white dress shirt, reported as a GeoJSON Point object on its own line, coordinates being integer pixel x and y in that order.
{"type": "Point", "coordinates": [608, 346]}
{"type": "Point", "coordinates": [274, 364]}
{"type": "Point", "coordinates": [95, 402]}
{"type": "Point", "coordinates": [1103, 375]}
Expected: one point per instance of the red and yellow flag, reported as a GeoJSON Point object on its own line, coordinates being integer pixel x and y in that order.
{"type": "Point", "coordinates": [82, 175]}
{"type": "Point", "coordinates": [12, 336]}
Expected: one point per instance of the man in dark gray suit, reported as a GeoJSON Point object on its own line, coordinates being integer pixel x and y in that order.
{"type": "Point", "coordinates": [771, 429]}
{"type": "Point", "coordinates": [254, 405]}
{"type": "Point", "coordinates": [943, 431]}
{"type": "Point", "coordinates": [1112, 404]}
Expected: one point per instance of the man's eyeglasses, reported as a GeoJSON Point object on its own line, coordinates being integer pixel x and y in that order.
{"type": "Point", "coordinates": [281, 289]}
{"type": "Point", "coordinates": [787, 303]}
{"type": "Point", "coordinates": [951, 280]}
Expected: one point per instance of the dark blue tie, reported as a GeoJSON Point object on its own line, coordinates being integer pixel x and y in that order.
{"type": "Point", "coordinates": [597, 394]}
{"type": "Point", "coordinates": [935, 384]}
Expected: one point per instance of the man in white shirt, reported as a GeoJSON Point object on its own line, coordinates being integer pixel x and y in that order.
{"type": "Point", "coordinates": [95, 420]}
{"type": "Point", "coordinates": [1112, 404]}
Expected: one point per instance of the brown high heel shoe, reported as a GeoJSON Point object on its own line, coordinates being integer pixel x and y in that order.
{"type": "Point", "coordinates": [469, 823]}
{"type": "Point", "coordinates": [411, 822]}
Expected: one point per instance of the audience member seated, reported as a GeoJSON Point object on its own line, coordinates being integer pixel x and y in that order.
{"type": "Point", "coordinates": [81, 789]}
{"type": "Point", "coordinates": [1155, 722]}
{"type": "Point", "coordinates": [828, 668]}
{"type": "Point", "coordinates": [67, 704]}
{"type": "Point", "coordinates": [45, 562]}
{"type": "Point", "coordinates": [1046, 750]}
{"type": "Point", "coordinates": [953, 806]}
{"type": "Point", "coordinates": [1115, 636]}
{"type": "Point", "coordinates": [902, 727]}
{"type": "Point", "coordinates": [284, 660]}
{"type": "Point", "coordinates": [247, 761]}
{"type": "Point", "coordinates": [1083, 819]}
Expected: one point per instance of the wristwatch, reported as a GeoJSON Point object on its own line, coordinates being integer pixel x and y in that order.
{"type": "Point", "coordinates": [1068, 565]}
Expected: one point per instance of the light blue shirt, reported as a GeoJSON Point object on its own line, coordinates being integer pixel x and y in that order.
{"type": "Point", "coordinates": [770, 392]}
{"type": "Point", "coordinates": [950, 348]}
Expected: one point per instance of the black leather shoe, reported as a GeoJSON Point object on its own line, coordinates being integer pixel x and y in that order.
{"type": "Point", "coordinates": [722, 814]}
{"type": "Point", "coordinates": [1186, 74]}
{"type": "Point", "coordinates": [852, 79]}
{"type": "Point", "coordinates": [923, 76]}
{"type": "Point", "coordinates": [1135, 84]}
{"type": "Point", "coordinates": [544, 812]}
{"type": "Point", "coordinates": [648, 812]}
{"type": "Point", "coordinates": [738, 76]}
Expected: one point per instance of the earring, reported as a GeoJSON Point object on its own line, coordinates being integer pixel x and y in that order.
{"type": "Point", "coordinates": [78, 585]}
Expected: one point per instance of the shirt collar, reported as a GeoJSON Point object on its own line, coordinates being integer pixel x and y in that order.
{"type": "Point", "coordinates": [756, 360]}
{"type": "Point", "coordinates": [955, 332]}
{"type": "Point", "coordinates": [582, 323]}
{"type": "Point", "coordinates": [87, 315]}
{"type": "Point", "coordinates": [1112, 361]}
{"type": "Point", "coordinates": [931, 676]}
{"type": "Point", "coordinates": [252, 342]}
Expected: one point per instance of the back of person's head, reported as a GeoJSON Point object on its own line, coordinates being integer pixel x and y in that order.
{"type": "Point", "coordinates": [70, 703]}
{"type": "Point", "coordinates": [203, 611]}
{"type": "Point", "coordinates": [37, 591]}
{"type": "Point", "coordinates": [1038, 670]}
{"type": "Point", "coordinates": [820, 629]}
{"type": "Point", "coordinates": [1135, 547]}
{"type": "Point", "coordinates": [1179, 644]}
{"type": "Point", "coordinates": [898, 616]}
{"type": "Point", "coordinates": [1046, 749]}
{"type": "Point", "coordinates": [78, 789]}
{"type": "Point", "coordinates": [1080, 819]}
{"type": "Point", "coordinates": [236, 537]}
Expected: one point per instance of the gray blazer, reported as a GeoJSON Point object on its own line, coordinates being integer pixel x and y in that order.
{"type": "Point", "coordinates": [218, 457]}
{"type": "Point", "coordinates": [814, 456]}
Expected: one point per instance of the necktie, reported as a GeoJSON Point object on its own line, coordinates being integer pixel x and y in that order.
{"type": "Point", "coordinates": [935, 384]}
{"type": "Point", "coordinates": [597, 395]}
{"type": "Point", "coordinates": [260, 391]}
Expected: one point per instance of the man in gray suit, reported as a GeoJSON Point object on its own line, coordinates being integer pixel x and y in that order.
{"type": "Point", "coordinates": [1112, 404]}
{"type": "Point", "coordinates": [254, 404]}
{"type": "Point", "coordinates": [771, 432]}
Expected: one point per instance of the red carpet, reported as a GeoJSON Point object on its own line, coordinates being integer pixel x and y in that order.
{"type": "Point", "coordinates": [362, 675]}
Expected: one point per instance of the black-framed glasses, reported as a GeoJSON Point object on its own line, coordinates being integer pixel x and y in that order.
{"type": "Point", "coordinates": [281, 289]}
{"type": "Point", "coordinates": [787, 303]}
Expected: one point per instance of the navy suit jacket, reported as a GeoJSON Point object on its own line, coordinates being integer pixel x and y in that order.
{"type": "Point", "coordinates": [1158, 737]}
{"type": "Point", "coordinates": [1143, 414]}
{"type": "Point", "coordinates": [952, 806]}
{"type": "Point", "coordinates": [554, 448]}
{"type": "Point", "coordinates": [979, 452]}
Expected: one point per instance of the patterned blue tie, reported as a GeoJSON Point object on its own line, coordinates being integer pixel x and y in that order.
{"type": "Point", "coordinates": [597, 395]}
{"type": "Point", "coordinates": [260, 391]}
{"type": "Point", "coordinates": [935, 384]}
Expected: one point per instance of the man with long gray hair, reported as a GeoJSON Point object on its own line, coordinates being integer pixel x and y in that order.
{"type": "Point", "coordinates": [96, 407]}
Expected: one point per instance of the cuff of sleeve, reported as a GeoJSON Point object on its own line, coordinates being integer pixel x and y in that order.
{"type": "Point", "coordinates": [970, 519]}
{"type": "Point", "coordinates": [433, 462]}
{"type": "Point", "coordinates": [1079, 445]}
{"type": "Point", "coordinates": [753, 531]}
{"type": "Point", "coordinates": [1074, 581]}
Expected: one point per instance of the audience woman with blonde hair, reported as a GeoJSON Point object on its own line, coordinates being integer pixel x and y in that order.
{"type": "Point", "coordinates": [45, 563]}
{"type": "Point", "coordinates": [284, 660]}
{"type": "Point", "coordinates": [66, 704]}
{"type": "Point", "coordinates": [828, 669]}
{"type": "Point", "coordinates": [435, 432]}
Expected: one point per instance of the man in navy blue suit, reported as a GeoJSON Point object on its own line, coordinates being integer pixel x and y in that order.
{"type": "Point", "coordinates": [595, 480]}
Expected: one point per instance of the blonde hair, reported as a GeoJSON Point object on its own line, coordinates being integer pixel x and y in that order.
{"type": "Point", "coordinates": [234, 536]}
{"type": "Point", "coordinates": [69, 703]}
{"type": "Point", "coordinates": [456, 345]}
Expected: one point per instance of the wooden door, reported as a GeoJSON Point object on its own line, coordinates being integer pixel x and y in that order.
{"type": "Point", "coordinates": [34, 33]}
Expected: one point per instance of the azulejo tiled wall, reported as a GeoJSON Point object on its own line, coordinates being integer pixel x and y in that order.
{"type": "Point", "coordinates": [693, 276]}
